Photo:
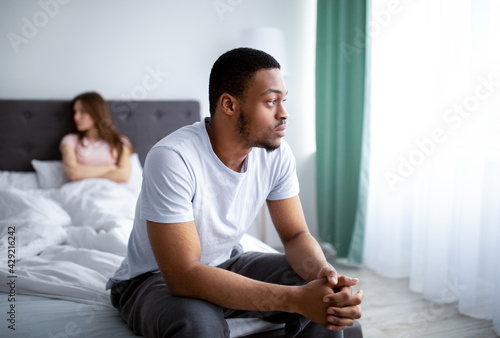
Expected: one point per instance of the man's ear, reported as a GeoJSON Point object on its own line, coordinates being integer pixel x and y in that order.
{"type": "Point", "coordinates": [228, 104]}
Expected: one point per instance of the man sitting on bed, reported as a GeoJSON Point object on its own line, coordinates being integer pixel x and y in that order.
{"type": "Point", "coordinates": [203, 185]}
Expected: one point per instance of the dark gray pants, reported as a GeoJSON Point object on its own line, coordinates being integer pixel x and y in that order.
{"type": "Point", "coordinates": [149, 310]}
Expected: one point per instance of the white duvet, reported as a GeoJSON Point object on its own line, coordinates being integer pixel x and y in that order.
{"type": "Point", "coordinates": [69, 241]}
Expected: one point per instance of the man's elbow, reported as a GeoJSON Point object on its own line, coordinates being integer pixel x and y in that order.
{"type": "Point", "coordinates": [183, 282]}
{"type": "Point", "coordinates": [178, 291]}
{"type": "Point", "coordinates": [178, 287]}
{"type": "Point", "coordinates": [296, 236]}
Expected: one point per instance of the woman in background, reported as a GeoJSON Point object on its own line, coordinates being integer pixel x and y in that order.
{"type": "Point", "coordinates": [96, 150]}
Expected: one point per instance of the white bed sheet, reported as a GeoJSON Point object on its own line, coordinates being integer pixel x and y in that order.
{"type": "Point", "coordinates": [44, 317]}
{"type": "Point", "coordinates": [67, 242]}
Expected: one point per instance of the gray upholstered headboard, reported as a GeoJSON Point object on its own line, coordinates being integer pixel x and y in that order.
{"type": "Point", "coordinates": [32, 129]}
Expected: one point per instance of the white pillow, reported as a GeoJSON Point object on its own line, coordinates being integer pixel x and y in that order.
{"type": "Point", "coordinates": [50, 174]}
{"type": "Point", "coordinates": [17, 179]}
{"type": "Point", "coordinates": [135, 181]}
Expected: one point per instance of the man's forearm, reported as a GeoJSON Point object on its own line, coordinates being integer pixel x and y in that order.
{"type": "Point", "coordinates": [302, 251]}
{"type": "Point", "coordinates": [305, 256]}
{"type": "Point", "coordinates": [231, 290]}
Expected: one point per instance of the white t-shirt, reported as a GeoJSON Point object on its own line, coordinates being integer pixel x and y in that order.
{"type": "Point", "coordinates": [184, 180]}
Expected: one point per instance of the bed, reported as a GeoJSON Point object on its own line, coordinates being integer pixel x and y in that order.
{"type": "Point", "coordinates": [60, 241]}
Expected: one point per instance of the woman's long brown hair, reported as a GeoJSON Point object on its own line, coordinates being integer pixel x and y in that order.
{"type": "Point", "coordinates": [98, 109]}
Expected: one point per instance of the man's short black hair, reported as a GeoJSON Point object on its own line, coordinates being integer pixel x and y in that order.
{"type": "Point", "coordinates": [233, 71]}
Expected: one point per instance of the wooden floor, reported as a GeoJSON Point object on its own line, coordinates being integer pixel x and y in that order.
{"type": "Point", "coordinates": [390, 309]}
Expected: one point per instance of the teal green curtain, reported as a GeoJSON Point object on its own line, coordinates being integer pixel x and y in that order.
{"type": "Point", "coordinates": [341, 125]}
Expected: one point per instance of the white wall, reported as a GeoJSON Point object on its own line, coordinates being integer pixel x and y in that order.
{"type": "Point", "coordinates": [60, 48]}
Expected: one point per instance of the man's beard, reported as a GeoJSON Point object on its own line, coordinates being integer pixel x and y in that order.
{"type": "Point", "coordinates": [244, 131]}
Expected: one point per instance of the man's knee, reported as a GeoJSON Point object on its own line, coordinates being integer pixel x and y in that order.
{"type": "Point", "coordinates": [149, 310]}
{"type": "Point", "coordinates": [186, 317]}
{"type": "Point", "coordinates": [354, 331]}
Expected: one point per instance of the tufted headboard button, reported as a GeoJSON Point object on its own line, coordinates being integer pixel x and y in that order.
{"type": "Point", "coordinates": [28, 147]}
{"type": "Point", "coordinates": [159, 114]}
{"type": "Point", "coordinates": [27, 114]}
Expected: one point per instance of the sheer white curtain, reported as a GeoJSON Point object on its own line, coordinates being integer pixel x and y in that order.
{"type": "Point", "coordinates": [434, 202]}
